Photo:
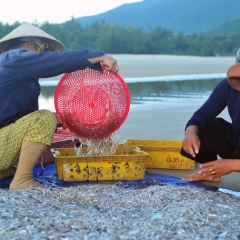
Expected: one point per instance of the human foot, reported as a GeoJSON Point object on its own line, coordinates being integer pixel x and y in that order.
{"type": "Point", "coordinates": [6, 173]}
{"type": "Point", "coordinates": [25, 184]}
{"type": "Point", "coordinates": [201, 177]}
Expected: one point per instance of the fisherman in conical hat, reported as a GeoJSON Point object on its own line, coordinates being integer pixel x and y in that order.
{"type": "Point", "coordinates": [27, 54]}
{"type": "Point", "coordinates": [27, 32]}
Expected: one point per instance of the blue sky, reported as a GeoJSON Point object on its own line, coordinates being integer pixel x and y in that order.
{"type": "Point", "coordinates": [53, 11]}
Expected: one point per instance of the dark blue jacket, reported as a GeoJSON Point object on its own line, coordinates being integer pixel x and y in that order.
{"type": "Point", "coordinates": [222, 96]}
{"type": "Point", "coordinates": [20, 71]}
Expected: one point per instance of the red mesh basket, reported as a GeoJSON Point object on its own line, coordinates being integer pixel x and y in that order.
{"type": "Point", "coordinates": [92, 104]}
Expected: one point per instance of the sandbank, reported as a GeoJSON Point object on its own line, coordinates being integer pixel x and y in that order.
{"type": "Point", "coordinates": [166, 65]}
{"type": "Point", "coordinates": [139, 65]}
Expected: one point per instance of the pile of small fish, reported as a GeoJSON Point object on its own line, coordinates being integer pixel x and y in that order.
{"type": "Point", "coordinates": [96, 146]}
{"type": "Point", "coordinates": [114, 211]}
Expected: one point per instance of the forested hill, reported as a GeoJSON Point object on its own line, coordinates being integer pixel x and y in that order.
{"type": "Point", "coordinates": [179, 27]}
{"type": "Point", "coordinates": [186, 16]}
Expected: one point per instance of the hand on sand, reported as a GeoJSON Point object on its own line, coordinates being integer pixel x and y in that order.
{"type": "Point", "coordinates": [201, 177]}
{"type": "Point", "coordinates": [213, 171]}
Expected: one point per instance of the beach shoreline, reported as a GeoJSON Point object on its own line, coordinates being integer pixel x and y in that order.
{"type": "Point", "coordinates": [140, 65]}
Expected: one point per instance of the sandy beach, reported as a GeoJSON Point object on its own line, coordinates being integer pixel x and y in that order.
{"type": "Point", "coordinates": [166, 65]}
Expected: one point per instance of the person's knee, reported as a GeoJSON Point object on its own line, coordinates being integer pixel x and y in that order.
{"type": "Point", "coordinates": [41, 128]}
{"type": "Point", "coordinates": [216, 124]}
{"type": "Point", "coordinates": [214, 130]}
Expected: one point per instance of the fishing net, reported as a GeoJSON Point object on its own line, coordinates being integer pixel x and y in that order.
{"type": "Point", "coordinates": [93, 105]}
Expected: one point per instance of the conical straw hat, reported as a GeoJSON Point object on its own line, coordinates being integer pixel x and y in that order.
{"type": "Point", "coordinates": [28, 30]}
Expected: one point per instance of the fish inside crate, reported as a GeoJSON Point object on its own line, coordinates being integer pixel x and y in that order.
{"type": "Point", "coordinates": [128, 163]}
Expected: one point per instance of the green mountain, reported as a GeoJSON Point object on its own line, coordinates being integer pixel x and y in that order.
{"type": "Point", "coordinates": [228, 28]}
{"type": "Point", "coordinates": [186, 16]}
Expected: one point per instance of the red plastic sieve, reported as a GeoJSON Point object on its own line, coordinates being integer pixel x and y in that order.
{"type": "Point", "coordinates": [92, 104]}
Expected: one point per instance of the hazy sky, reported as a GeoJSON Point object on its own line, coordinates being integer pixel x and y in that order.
{"type": "Point", "coordinates": [53, 11]}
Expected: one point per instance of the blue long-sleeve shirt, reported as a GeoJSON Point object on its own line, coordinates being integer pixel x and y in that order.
{"type": "Point", "coordinates": [222, 96]}
{"type": "Point", "coordinates": [20, 71]}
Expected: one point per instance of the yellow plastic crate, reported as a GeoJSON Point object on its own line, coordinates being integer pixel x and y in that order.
{"type": "Point", "coordinates": [128, 163]}
{"type": "Point", "coordinates": [163, 153]}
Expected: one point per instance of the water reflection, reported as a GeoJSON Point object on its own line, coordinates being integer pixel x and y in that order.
{"type": "Point", "coordinates": [188, 88]}
{"type": "Point", "coordinates": [152, 91]}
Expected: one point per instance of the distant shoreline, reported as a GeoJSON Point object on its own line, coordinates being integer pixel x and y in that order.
{"type": "Point", "coordinates": [134, 65]}
{"type": "Point", "coordinates": [168, 65]}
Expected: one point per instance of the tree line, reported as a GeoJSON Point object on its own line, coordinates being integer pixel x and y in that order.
{"type": "Point", "coordinates": [116, 39]}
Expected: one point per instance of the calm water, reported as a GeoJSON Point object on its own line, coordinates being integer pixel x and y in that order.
{"type": "Point", "coordinates": [146, 90]}
{"type": "Point", "coordinates": [160, 107]}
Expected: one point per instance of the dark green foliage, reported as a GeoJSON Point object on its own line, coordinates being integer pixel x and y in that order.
{"type": "Point", "coordinates": [113, 38]}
